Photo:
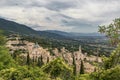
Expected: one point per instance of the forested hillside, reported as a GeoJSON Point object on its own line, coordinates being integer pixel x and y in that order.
{"type": "Point", "coordinates": [13, 27]}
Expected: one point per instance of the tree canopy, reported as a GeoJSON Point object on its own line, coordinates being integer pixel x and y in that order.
{"type": "Point", "coordinates": [112, 31]}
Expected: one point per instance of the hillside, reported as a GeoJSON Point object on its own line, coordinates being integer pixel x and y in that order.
{"type": "Point", "coordinates": [13, 27]}
{"type": "Point", "coordinates": [51, 35]}
{"type": "Point", "coordinates": [75, 34]}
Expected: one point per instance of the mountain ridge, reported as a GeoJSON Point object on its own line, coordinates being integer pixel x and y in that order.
{"type": "Point", "coordinates": [11, 26]}
{"type": "Point", "coordinates": [75, 34]}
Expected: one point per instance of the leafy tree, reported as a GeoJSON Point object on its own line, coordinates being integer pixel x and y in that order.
{"type": "Point", "coordinates": [58, 68]}
{"type": "Point", "coordinates": [2, 38]}
{"type": "Point", "coordinates": [109, 74]}
{"type": "Point", "coordinates": [113, 60]}
{"type": "Point", "coordinates": [112, 31]}
{"type": "Point", "coordinates": [21, 60]}
{"type": "Point", "coordinates": [16, 53]}
{"type": "Point", "coordinates": [6, 60]}
{"type": "Point", "coordinates": [84, 77]}
{"type": "Point", "coordinates": [23, 73]}
{"type": "Point", "coordinates": [111, 65]}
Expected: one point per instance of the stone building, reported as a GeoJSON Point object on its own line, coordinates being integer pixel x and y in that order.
{"type": "Point", "coordinates": [35, 51]}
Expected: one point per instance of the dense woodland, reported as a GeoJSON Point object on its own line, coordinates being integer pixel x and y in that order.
{"type": "Point", "coordinates": [17, 68]}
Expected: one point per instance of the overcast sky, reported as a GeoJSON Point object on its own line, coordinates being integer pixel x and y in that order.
{"type": "Point", "coordinates": [65, 15]}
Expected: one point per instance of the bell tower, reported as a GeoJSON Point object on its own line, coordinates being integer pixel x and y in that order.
{"type": "Point", "coordinates": [80, 50]}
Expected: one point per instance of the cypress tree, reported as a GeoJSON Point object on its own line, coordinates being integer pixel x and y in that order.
{"type": "Point", "coordinates": [36, 59]}
{"type": "Point", "coordinates": [28, 59]}
{"type": "Point", "coordinates": [14, 55]}
{"type": "Point", "coordinates": [47, 59]}
{"type": "Point", "coordinates": [82, 68]}
{"type": "Point", "coordinates": [33, 59]}
{"type": "Point", "coordinates": [74, 66]}
{"type": "Point", "coordinates": [40, 61]}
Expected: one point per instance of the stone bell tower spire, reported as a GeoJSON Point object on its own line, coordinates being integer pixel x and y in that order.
{"type": "Point", "coordinates": [80, 50]}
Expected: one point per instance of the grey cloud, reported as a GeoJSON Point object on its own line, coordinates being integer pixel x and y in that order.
{"type": "Point", "coordinates": [20, 3]}
{"type": "Point", "coordinates": [52, 5]}
{"type": "Point", "coordinates": [78, 22]}
{"type": "Point", "coordinates": [80, 25]}
{"type": "Point", "coordinates": [48, 19]}
{"type": "Point", "coordinates": [57, 5]}
{"type": "Point", "coordinates": [77, 15]}
{"type": "Point", "coordinates": [5, 3]}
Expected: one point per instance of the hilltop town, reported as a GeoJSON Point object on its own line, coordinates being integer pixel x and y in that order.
{"type": "Point", "coordinates": [36, 51]}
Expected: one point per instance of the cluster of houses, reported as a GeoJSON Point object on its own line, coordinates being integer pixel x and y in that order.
{"type": "Point", "coordinates": [35, 51]}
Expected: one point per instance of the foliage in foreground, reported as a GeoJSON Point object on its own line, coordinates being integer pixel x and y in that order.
{"type": "Point", "coordinates": [109, 74]}
{"type": "Point", "coordinates": [6, 60]}
{"type": "Point", "coordinates": [58, 68]}
{"type": "Point", "coordinates": [23, 73]}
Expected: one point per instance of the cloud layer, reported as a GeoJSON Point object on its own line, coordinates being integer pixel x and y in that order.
{"type": "Point", "coordinates": [65, 15]}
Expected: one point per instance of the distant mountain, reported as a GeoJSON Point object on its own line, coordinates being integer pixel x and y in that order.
{"type": "Point", "coordinates": [10, 26]}
{"type": "Point", "coordinates": [59, 32]}
{"type": "Point", "coordinates": [73, 34]}
{"type": "Point", "coordinates": [86, 34]}
{"type": "Point", "coordinates": [52, 35]}
{"type": "Point", "coordinates": [13, 27]}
